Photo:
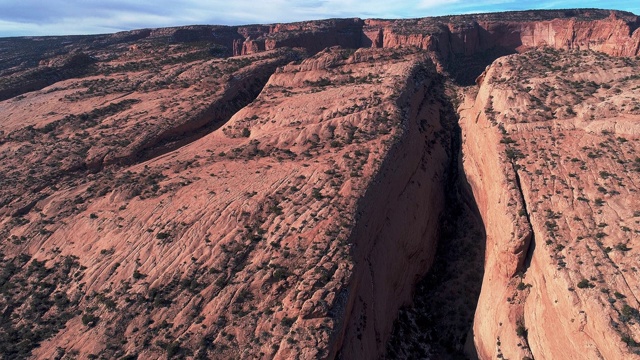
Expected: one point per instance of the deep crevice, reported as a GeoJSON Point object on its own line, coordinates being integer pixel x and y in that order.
{"type": "Point", "coordinates": [208, 121]}
{"type": "Point", "coordinates": [464, 70]}
{"type": "Point", "coordinates": [441, 318]}
{"type": "Point", "coordinates": [531, 246]}
{"type": "Point", "coordinates": [240, 93]}
{"type": "Point", "coordinates": [76, 66]}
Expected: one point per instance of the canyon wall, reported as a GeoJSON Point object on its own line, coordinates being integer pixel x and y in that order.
{"type": "Point", "coordinates": [508, 233]}
{"type": "Point", "coordinates": [397, 228]}
{"type": "Point", "coordinates": [611, 35]}
{"type": "Point", "coordinates": [463, 45]}
{"type": "Point", "coordinates": [299, 225]}
{"type": "Point", "coordinates": [541, 152]}
{"type": "Point", "coordinates": [290, 199]}
{"type": "Point", "coordinates": [450, 37]}
{"type": "Point", "coordinates": [313, 36]}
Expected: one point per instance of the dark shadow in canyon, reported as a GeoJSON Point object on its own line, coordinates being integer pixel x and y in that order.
{"type": "Point", "coordinates": [438, 323]}
{"type": "Point", "coordinates": [531, 245]}
{"type": "Point", "coordinates": [241, 93]}
{"type": "Point", "coordinates": [76, 66]}
{"type": "Point", "coordinates": [464, 70]}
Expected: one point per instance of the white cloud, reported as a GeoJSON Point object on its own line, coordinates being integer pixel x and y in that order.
{"type": "Point", "coordinates": [38, 17]}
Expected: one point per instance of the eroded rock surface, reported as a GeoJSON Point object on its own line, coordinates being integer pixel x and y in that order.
{"type": "Point", "coordinates": [550, 144]}
{"type": "Point", "coordinates": [263, 231]}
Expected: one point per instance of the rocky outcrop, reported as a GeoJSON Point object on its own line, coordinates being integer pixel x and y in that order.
{"type": "Point", "coordinates": [541, 163]}
{"type": "Point", "coordinates": [263, 228]}
{"type": "Point", "coordinates": [395, 247]}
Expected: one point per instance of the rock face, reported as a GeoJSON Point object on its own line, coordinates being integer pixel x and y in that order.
{"type": "Point", "coordinates": [401, 240]}
{"type": "Point", "coordinates": [469, 35]}
{"type": "Point", "coordinates": [264, 229]}
{"type": "Point", "coordinates": [468, 39]}
{"type": "Point", "coordinates": [550, 144]}
{"type": "Point", "coordinates": [463, 38]}
{"type": "Point", "coordinates": [607, 31]}
{"type": "Point", "coordinates": [160, 197]}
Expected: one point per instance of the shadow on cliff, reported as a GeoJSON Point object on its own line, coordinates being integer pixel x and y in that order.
{"type": "Point", "coordinates": [240, 93]}
{"type": "Point", "coordinates": [438, 323]}
{"type": "Point", "coordinates": [464, 70]}
{"type": "Point", "coordinates": [75, 66]}
{"type": "Point", "coordinates": [241, 90]}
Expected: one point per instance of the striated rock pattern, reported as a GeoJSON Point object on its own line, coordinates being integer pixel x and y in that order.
{"type": "Point", "coordinates": [261, 231]}
{"type": "Point", "coordinates": [122, 113]}
{"type": "Point", "coordinates": [550, 143]}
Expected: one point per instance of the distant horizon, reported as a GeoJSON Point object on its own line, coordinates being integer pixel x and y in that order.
{"type": "Point", "coordinates": [318, 19]}
{"type": "Point", "coordinates": [76, 17]}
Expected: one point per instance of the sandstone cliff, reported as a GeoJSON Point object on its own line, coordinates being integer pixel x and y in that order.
{"type": "Point", "coordinates": [395, 246]}
{"type": "Point", "coordinates": [549, 144]}
{"type": "Point", "coordinates": [462, 45]}
{"type": "Point", "coordinates": [465, 39]}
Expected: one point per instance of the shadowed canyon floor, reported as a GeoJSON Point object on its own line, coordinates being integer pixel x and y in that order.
{"type": "Point", "coordinates": [438, 323]}
{"type": "Point", "coordinates": [281, 191]}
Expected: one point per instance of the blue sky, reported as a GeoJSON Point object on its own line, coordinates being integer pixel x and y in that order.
{"type": "Point", "coordinates": [66, 17]}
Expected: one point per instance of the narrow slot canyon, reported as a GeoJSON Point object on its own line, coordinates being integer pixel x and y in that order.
{"type": "Point", "coordinates": [438, 324]}
{"type": "Point", "coordinates": [426, 246]}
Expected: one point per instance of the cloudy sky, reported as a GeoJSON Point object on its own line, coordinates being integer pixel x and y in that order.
{"type": "Point", "coordinates": [65, 17]}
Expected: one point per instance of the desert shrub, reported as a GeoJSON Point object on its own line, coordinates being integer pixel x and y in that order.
{"type": "Point", "coordinates": [584, 283]}
{"type": "Point", "coordinates": [90, 320]}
